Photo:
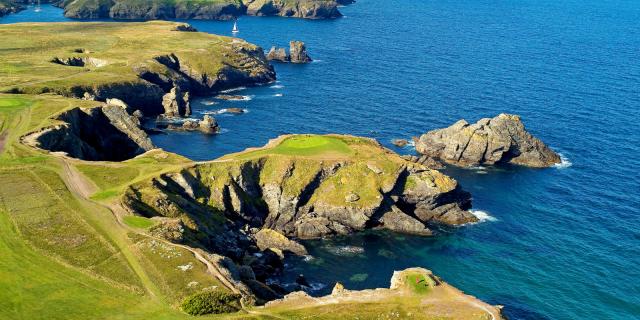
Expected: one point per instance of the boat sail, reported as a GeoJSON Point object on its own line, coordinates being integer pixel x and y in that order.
{"type": "Point", "coordinates": [235, 27]}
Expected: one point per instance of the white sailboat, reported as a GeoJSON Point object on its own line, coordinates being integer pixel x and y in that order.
{"type": "Point", "coordinates": [235, 27]}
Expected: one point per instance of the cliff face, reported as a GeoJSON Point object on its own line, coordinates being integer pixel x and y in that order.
{"type": "Point", "coordinates": [139, 63]}
{"type": "Point", "coordinates": [308, 9]}
{"type": "Point", "coordinates": [502, 139]}
{"type": "Point", "coordinates": [309, 197]}
{"type": "Point", "coordinates": [105, 133]}
{"type": "Point", "coordinates": [210, 10]}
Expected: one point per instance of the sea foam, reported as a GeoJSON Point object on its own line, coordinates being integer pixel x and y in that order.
{"type": "Point", "coordinates": [564, 162]}
{"type": "Point", "coordinates": [483, 216]}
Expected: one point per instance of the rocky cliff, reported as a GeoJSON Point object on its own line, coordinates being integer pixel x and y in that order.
{"type": "Point", "coordinates": [106, 133]}
{"type": "Point", "coordinates": [151, 66]}
{"type": "Point", "coordinates": [210, 9]}
{"type": "Point", "coordinates": [502, 139]}
{"type": "Point", "coordinates": [308, 9]}
{"type": "Point", "coordinates": [309, 197]}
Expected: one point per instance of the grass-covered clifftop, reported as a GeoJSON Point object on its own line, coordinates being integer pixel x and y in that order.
{"type": "Point", "coordinates": [69, 253]}
{"type": "Point", "coordinates": [135, 62]}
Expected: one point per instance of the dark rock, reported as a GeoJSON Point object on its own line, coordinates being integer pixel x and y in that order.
{"type": "Point", "coordinates": [186, 28]}
{"type": "Point", "coordinates": [269, 239]}
{"type": "Point", "coordinates": [301, 280]}
{"type": "Point", "coordinates": [235, 110]}
{"type": "Point", "coordinates": [502, 139]}
{"type": "Point", "coordinates": [105, 133]}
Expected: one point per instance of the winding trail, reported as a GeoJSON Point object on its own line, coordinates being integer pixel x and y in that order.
{"type": "Point", "coordinates": [82, 187]}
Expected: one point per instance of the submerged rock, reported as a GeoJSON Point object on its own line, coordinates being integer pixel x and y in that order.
{"type": "Point", "coordinates": [400, 142]}
{"type": "Point", "coordinates": [502, 139]}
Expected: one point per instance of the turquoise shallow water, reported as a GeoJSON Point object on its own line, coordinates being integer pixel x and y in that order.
{"type": "Point", "coordinates": [564, 242]}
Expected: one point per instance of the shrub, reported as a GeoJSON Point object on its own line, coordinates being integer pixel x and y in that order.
{"type": "Point", "coordinates": [211, 302]}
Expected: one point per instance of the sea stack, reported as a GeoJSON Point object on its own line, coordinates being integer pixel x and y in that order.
{"type": "Point", "coordinates": [297, 53]}
{"type": "Point", "coordinates": [502, 139]}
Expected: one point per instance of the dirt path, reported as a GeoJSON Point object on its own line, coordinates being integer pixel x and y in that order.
{"type": "Point", "coordinates": [3, 140]}
{"type": "Point", "coordinates": [84, 188]}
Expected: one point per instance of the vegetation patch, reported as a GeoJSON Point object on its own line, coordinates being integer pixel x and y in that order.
{"type": "Point", "coordinates": [420, 283]}
{"type": "Point", "coordinates": [138, 222]}
{"type": "Point", "coordinates": [211, 302]}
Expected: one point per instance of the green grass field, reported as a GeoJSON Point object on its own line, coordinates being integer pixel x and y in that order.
{"type": "Point", "coordinates": [138, 222]}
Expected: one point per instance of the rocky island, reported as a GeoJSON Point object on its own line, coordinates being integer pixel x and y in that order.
{"type": "Point", "coordinates": [502, 139]}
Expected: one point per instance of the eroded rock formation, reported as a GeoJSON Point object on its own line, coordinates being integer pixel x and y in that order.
{"type": "Point", "coordinates": [502, 139]}
{"type": "Point", "coordinates": [297, 53]}
{"type": "Point", "coordinates": [106, 133]}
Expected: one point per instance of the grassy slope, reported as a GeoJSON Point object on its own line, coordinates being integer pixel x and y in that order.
{"type": "Point", "coordinates": [63, 257]}
{"type": "Point", "coordinates": [66, 258]}
{"type": "Point", "coordinates": [26, 51]}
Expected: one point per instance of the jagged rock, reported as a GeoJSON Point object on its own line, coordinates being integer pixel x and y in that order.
{"type": "Point", "coordinates": [298, 52]}
{"type": "Point", "coordinates": [398, 221]}
{"type": "Point", "coordinates": [190, 125]}
{"type": "Point", "coordinates": [186, 28]}
{"type": "Point", "coordinates": [102, 133]}
{"type": "Point", "coordinates": [400, 142]}
{"type": "Point", "coordinates": [502, 139]}
{"type": "Point", "coordinates": [176, 103]}
{"type": "Point", "coordinates": [267, 238]}
{"type": "Point", "coordinates": [138, 114]}
{"type": "Point", "coordinates": [278, 54]}
{"type": "Point", "coordinates": [209, 125]}
{"type": "Point", "coordinates": [169, 229]}
{"type": "Point", "coordinates": [308, 9]}
{"type": "Point", "coordinates": [88, 96]}
{"type": "Point", "coordinates": [230, 97]}
{"type": "Point", "coordinates": [118, 103]}
{"type": "Point", "coordinates": [435, 198]}
{"type": "Point", "coordinates": [338, 289]}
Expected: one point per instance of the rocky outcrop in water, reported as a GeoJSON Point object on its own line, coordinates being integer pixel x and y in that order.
{"type": "Point", "coordinates": [297, 53]}
{"type": "Point", "coordinates": [176, 103]}
{"type": "Point", "coordinates": [502, 139]}
{"type": "Point", "coordinates": [106, 133]}
{"type": "Point", "coordinates": [308, 9]}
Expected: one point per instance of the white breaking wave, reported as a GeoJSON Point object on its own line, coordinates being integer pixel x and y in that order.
{"type": "Point", "coordinates": [483, 216]}
{"type": "Point", "coordinates": [209, 103]}
{"type": "Point", "coordinates": [315, 286]}
{"type": "Point", "coordinates": [233, 89]}
{"type": "Point", "coordinates": [308, 258]}
{"type": "Point", "coordinates": [278, 95]}
{"type": "Point", "coordinates": [277, 86]}
{"type": "Point", "coordinates": [564, 162]}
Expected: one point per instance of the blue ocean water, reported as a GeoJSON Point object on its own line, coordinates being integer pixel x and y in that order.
{"type": "Point", "coordinates": [561, 243]}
